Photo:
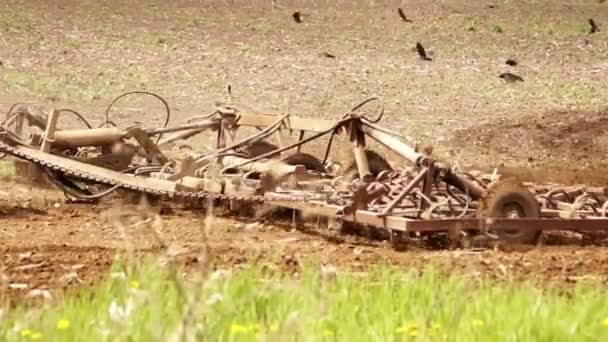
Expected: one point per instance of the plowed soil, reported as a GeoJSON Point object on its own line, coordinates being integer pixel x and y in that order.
{"type": "Point", "coordinates": [72, 245]}
{"type": "Point", "coordinates": [568, 147]}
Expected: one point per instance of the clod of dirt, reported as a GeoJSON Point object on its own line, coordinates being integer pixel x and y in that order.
{"type": "Point", "coordinates": [253, 226]}
{"type": "Point", "coordinates": [25, 256]}
{"type": "Point", "coordinates": [70, 279]}
{"type": "Point", "coordinates": [328, 273]}
{"type": "Point", "coordinates": [290, 264]}
{"type": "Point", "coordinates": [38, 293]}
{"type": "Point", "coordinates": [29, 267]}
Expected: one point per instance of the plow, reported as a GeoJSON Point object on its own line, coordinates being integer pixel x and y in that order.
{"type": "Point", "coordinates": [417, 198]}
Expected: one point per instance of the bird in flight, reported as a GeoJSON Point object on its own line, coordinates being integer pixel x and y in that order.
{"type": "Point", "coordinates": [327, 54]}
{"type": "Point", "coordinates": [402, 15]}
{"type": "Point", "coordinates": [296, 17]}
{"type": "Point", "coordinates": [422, 52]}
{"type": "Point", "coordinates": [594, 28]}
{"type": "Point", "coordinates": [509, 77]}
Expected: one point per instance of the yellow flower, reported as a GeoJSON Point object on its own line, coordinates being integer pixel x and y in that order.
{"type": "Point", "coordinates": [413, 332]}
{"type": "Point", "coordinates": [26, 332]}
{"type": "Point", "coordinates": [478, 323]}
{"type": "Point", "coordinates": [412, 327]}
{"type": "Point", "coordinates": [327, 332]}
{"type": "Point", "coordinates": [134, 284]}
{"type": "Point", "coordinates": [238, 329]}
{"type": "Point", "coordinates": [434, 328]}
{"type": "Point", "coordinates": [605, 322]}
{"type": "Point", "coordinates": [63, 324]}
{"type": "Point", "coordinates": [36, 336]}
{"type": "Point", "coordinates": [274, 327]}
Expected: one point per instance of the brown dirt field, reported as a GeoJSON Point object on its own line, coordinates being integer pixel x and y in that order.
{"type": "Point", "coordinates": [566, 146]}
{"type": "Point", "coordinates": [548, 128]}
{"type": "Point", "coordinates": [72, 245]}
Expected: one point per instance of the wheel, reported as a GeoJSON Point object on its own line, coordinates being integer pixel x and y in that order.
{"type": "Point", "coordinates": [376, 164]}
{"type": "Point", "coordinates": [362, 230]}
{"type": "Point", "coordinates": [258, 148]}
{"type": "Point", "coordinates": [511, 199]}
{"type": "Point", "coordinates": [309, 161]}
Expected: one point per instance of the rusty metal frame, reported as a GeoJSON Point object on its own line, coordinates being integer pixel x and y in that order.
{"type": "Point", "coordinates": [375, 201]}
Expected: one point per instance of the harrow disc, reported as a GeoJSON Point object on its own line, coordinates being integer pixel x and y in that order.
{"type": "Point", "coordinates": [258, 148]}
{"type": "Point", "coordinates": [309, 161]}
{"type": "Point", "coordinates": [376, 162]}
{"type": "Point", "coordinates": [512, 200]}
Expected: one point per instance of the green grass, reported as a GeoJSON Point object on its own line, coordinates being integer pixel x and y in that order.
{"type": "Point", "coordinates": [15, 21]}
{"type": "Point", "coordinates": [66, 84]}
{"type": "Point", "coordinates": [149, 304]}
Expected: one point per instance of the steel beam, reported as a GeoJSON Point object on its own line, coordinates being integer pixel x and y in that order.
{"type": "Point", "coordinates": [291, 123]}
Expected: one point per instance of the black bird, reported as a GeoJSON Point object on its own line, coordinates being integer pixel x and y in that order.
{"type": "Point", "coordinates": [229, 89]}
{"type": "Point", "coordinates": [511, 62]}
{"type": "Point", "coordinates": [422, 52]}
{"type": "Point", "coordinates": [296, 17]}
{"type": "Point", "coordinates": [509, 77]}
{"type": "Point", "coordinates": [327, 54]}
{"type": "Point", "coordinates": [402, 15]}
{"type": "Point", "coordinates": [594, 27]}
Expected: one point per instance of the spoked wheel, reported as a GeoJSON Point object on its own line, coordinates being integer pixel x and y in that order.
{"type": "Point", "coordinates": [511, 200]}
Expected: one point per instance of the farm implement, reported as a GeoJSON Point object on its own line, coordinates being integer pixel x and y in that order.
{"type": "Point", "coordinates": [421, 198]}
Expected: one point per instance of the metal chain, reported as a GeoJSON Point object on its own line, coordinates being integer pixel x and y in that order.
{"type": "Point", "coordinates": [22, 153]}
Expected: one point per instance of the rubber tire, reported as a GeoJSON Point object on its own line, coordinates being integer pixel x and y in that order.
{"type": "Point", "coordinates": [376, 164]}
{"type": "Point", "coordinates": [309, 161]}
{"type": "Point", "coordinates": [502, 193]}
{"type": "Point", "coordinates": [259, 148]}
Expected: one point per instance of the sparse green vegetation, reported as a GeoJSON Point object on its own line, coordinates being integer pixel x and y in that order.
{"type": "Point", "coordinates": [64, 86]}
{"type": "Point", "coordinates": [579, 93]}
{"type": "Point", "coordinates": [497, 29]}
{"type": "Point", "coordinates": [15, 21]}
{"type": "Point", "coordinates": [569, 27]}
{"type": "Point", "coordinates": [71, 85]}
